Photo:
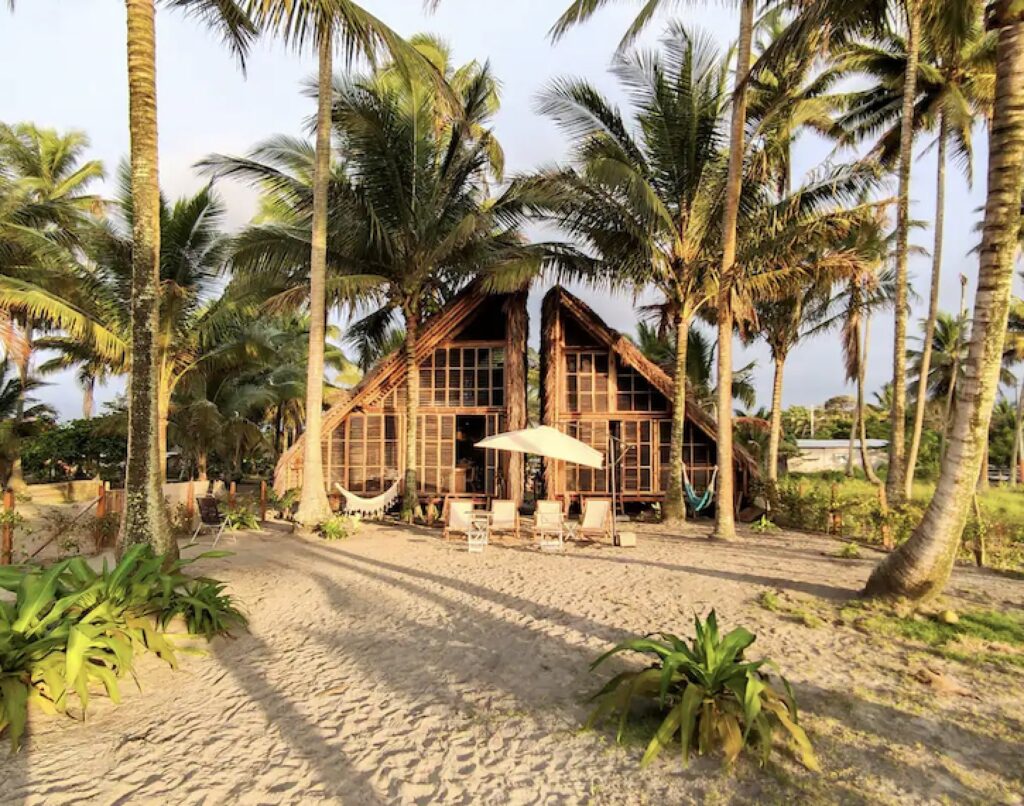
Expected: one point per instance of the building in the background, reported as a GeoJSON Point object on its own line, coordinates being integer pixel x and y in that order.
{"type": "Point", "coordinates": [820, 455]}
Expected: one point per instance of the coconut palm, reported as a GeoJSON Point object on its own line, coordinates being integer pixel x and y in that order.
{"type": "Point", "coordinates": [955, 82]}
{"type": "Point", "coordinates": [326, 24]}
{"type": "Point", "coordinates": [20, 417]}
{"type": "Point", "coordinates": [921, 566]}
{"type": "Point", "coordinates": [412, 221]}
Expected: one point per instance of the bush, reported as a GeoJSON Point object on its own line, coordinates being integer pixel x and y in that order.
{"type": "Point", "coordinates": [70, 627]}
{"type": "Point", "coordinates": [241, 519]}
{"type": "Point", "coordinates": [284, 503]}
{"type": "Point", "coordinates": [339, 527]}
{"type": "Point", "coordinates": [707, 694]}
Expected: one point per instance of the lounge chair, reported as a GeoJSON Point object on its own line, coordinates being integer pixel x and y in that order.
{"type": "Point", "coordinates": [210, 519]}
{"type": "Point", "coordinates": [505, 517]}
{"type": "Point", "coordinates": [458, 518]}
{"type": "Point", "coordinates": [548, 526]}
{"type": "Point", "coordinates": [596, 520]}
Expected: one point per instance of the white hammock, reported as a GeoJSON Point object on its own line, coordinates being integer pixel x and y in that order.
{"type": "Point", "coordinates": [371, 507]}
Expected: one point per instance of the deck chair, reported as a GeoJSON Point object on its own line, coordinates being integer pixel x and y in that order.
{"type": "Point", "coordinates": [596, 520]}
{"type": "Point", "coordinates": [457, 519]}
{"type": "Point", "coordinates": [504, 517]}
{"type": "Point", "coordinates": [548, 526]}
{"type": "Point", "coordinates": [210, 519]}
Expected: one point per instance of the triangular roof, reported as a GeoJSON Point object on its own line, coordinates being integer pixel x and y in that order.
{"type": "Point", "coordinates": [629, 353]}
{"type": "Point", "coordinates": [390, 371]}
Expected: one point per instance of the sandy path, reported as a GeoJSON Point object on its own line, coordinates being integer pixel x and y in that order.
{"type": "Point", "coordinates": [395, 668]}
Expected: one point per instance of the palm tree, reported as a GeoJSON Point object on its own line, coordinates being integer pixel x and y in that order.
{"type": "Point", "coordinates": [955, 83]}
{"type": "Point", "coordinates": [19, 417]}
{"type": "Point", "coordinates": [46, 207]}
{"type": "Point", "coordinates": [413, 221]}
{"type": "Point", "coordinates": [326, 24]}
{"type": "Point", "coordinates": [921, 567]}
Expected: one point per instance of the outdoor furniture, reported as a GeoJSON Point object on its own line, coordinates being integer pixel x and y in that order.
{"type": "Point", "coordinates": [479, 531]}
{"type": "Point", "coordinates": [210, 519]}
{"type": "Point", "coordinates": [596, 519]}
{"type": "Point", "coordinates": [504, 517]}
{"type": "Point", "coordinates": [457, 518]}
{"type": "Point", "coordinates": [548, 526]}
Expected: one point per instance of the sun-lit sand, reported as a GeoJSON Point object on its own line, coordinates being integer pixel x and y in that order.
{"type": "Point", "coordinates": [396, 668]}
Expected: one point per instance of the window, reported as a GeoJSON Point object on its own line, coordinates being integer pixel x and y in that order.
{"type": "Point", "coordinates": [580, 479]}
{"type": "Point", "coordinates": [586, 382]}
{"type": "Point", "coordinates": [635, 393]}
{"type": "Point", "coordinates": [698, 453]}
{"type": "Point", "coordinates": [463, 377]}
{"type": "Point", "coordinates": [638, 460]}
{"type": "Point", "coordinates": [435, 452]}
{"type": "Point", "coordinates": [370, 449]}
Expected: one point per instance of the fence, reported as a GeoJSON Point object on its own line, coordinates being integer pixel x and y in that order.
{"type": "Point", "coordinates": [102, 502]}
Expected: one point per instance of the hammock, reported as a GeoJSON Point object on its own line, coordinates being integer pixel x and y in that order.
{"type": "Point", "coordinates": [372, 507]}
{"type": "Point", "coordinates": [698, 503]}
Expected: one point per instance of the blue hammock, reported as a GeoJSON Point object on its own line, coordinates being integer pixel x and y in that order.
{"type": "Point", "coordinates": [698, 503]}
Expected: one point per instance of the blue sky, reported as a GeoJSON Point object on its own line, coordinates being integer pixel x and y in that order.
{"type": "Point", "coordinates": [64, 66]}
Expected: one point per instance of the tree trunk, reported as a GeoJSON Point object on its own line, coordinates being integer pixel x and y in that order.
{"type": "Point", "coordinates": [920, 568]}
{"type": "Point", "coordinates": [163, 416]}
{"type": "Point", "coordinates": [516, 335]}
{"type": "Point", "coordinates": [16, 480]}
{"type": "Point", "coordinates": [933, 308]}
{"type": "Point", "coordinates": [88, 396]}
{"type": "Point", "coordinates": [862, 363]}
{"type": "Point", "coordinates": [895, 482]}
{"type": "Point", "coordinates": [675, 506]}
{"type": "Point", "coordinates": [775, 425]}
{"type": "Point", "coordinates": [201, 465]}
{"type": "Point", "coordinates": [278, 431]}
{"type": "Point", "coordinates": [410, 496]}
{"type": "Point", "coordinates": [1015, 455]}
{"type": "Point", "coordinates": [725, 526]}
{"type": "Point", "coordinates": [314, 506]}
{"type": "Point", "coordinates": [145, 516]}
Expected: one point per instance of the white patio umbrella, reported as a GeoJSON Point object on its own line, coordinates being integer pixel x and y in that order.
{"type": "Point", "coordinates": [543, 440]}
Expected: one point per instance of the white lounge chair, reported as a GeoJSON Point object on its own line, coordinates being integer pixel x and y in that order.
{"type": "Point", "coordinates": [548, 526]}
{"type": "Point", "coordinates": [458, 518]}
{"type": "Point", "coordinates": [596, 520]}
{"type": "Point", "coordinates": [504, 517]}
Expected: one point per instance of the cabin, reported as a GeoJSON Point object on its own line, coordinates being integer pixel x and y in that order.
{"type": "Point", "coordinates": [597, 386]}
{"type": "Point", "coordinates": [472, 384]}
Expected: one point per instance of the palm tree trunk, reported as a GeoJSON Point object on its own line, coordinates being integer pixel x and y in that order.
{"type": "Point", "coordinates": [145, 517]}
{"type": "Point", "coordinates": [88, 396]}
{"type": "Point", "coordinates": [313, 504]}
{"type": "Point", "coordinates": [16, 481]}
{"type": "Point", "coordinates": [852, 445]}
{"type": "Point", "coordinates": [895, 482]}
{"type": "Point", "coordinates": [921, 567]}
{"type": "Point", "coordinates": [278, 430]}
{"type": "Point", "coordinates": [1015, 455]}
{"type": "Point", "coordinates": [410, 493]}
{"type": "Point", "coordinates": [164, 417]}
{"type": "Point", "coordinates": [201, 465]}
{"type": "Point", "coordinates": [675, 506]}
{"type": "Point", "coordinates": [775, 424]}
{"type": "Point", "coordinates": [933, 308]}
{"type": "Point", "coordinates": [862, 364]}
{"type": "Point", "coordinates": [725, 525]}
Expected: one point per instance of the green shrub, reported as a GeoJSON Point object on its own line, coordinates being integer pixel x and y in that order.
{"type": "Point", "coordinates": [70, 627]}
{"type": "Point", "coordinates": [763, 526]}
{"type": "Point", "coordinates": [339, 527]}
{"type": "Point", "coordinates": [284, 503]}
{"type": "Point", "coordinates": [849, 551]}
{"type": "Point", "coordinates": [241, 519]}
{"type": "Point", "coordinates": [707, 694]}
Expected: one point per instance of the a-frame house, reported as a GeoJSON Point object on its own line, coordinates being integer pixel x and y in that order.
{"type": "Point", "coordinates": [597, 386]}
{"type": "Point", "coordinates": [472, 384]}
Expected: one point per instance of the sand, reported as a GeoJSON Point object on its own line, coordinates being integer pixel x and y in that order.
{"type": "Point", "coordinates": [395, 668]}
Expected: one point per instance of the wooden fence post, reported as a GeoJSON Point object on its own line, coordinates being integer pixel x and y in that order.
{"type": "Point", "coordinates": [7, 549]}
{"type": "Point", "coordinates": [232, 490]}
{"type": "Point", "coordinates": [263, 501]}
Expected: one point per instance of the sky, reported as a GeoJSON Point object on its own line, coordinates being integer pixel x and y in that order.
{"type": "Point", "coordinates": [64, 66]}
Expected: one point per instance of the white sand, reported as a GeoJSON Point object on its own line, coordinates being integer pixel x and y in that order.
{"type": "Point", "coordinates": [396, 668]}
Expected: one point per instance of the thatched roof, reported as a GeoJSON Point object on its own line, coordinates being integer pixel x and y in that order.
{"type": "Point", "coordinates": [629, 353]}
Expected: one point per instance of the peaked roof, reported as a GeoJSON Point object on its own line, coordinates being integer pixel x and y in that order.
{"type": "Point", "coordinates": [390, 370]}
{"type": "Point", "coordinates": [629, 353]}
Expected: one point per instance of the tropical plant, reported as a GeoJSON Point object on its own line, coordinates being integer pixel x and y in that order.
{"type": "Point", "coordinates": [339, 527]}
{"type": "Point", "coordinates": [413, 222]}
{"type": "Point", "coordinates": [204, 607]}
{"type": "Point", "coordinates": [710, 695]}
{"type": "Point", "coordinates": [241, 519]}
{"type": "Point", "coordinates": [920, 568]}
{"type": "Point", "coordinates": [20, 419]}
{"type": "Point", "coordinates": [954, 86]}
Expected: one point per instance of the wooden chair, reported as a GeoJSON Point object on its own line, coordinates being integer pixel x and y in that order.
{"type": "Point", "coordinates": [210, 519]}
{"type": "Point", "coordinates": [458, 518]}
{"type": "Point", "coordinates": [596, 520]}
{"type": "Point", "coordinates": [548, 526]}
{"type": "Point", "coordinates": [504, 517]}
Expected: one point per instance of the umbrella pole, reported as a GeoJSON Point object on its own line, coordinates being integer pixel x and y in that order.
{"type": "Point", "coordinates": [612, 462]}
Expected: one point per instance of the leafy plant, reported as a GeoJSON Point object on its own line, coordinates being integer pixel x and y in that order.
{"type": "Point", "coordinates": [284, 503]}
{"type": "Point", "coordinates": [205, 608]}
{"type": "Point", "coordinates": [241, 519]}
{"type": "Point", "coordinates": [708, 694]}
{"type": "Point", "coordinates": [339, 527]}
{"type": "Point", "coordinates": [849, 551]}
{"type": "Point", "coordinates": [764, 526]}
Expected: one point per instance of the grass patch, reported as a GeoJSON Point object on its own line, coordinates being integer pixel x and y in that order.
{"type": "Point", "coordinates": [977, 637]}
{"type": "Point", "coordinates": [850, 551]}
{"type": "Point", "coordinates": [799, 611]}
